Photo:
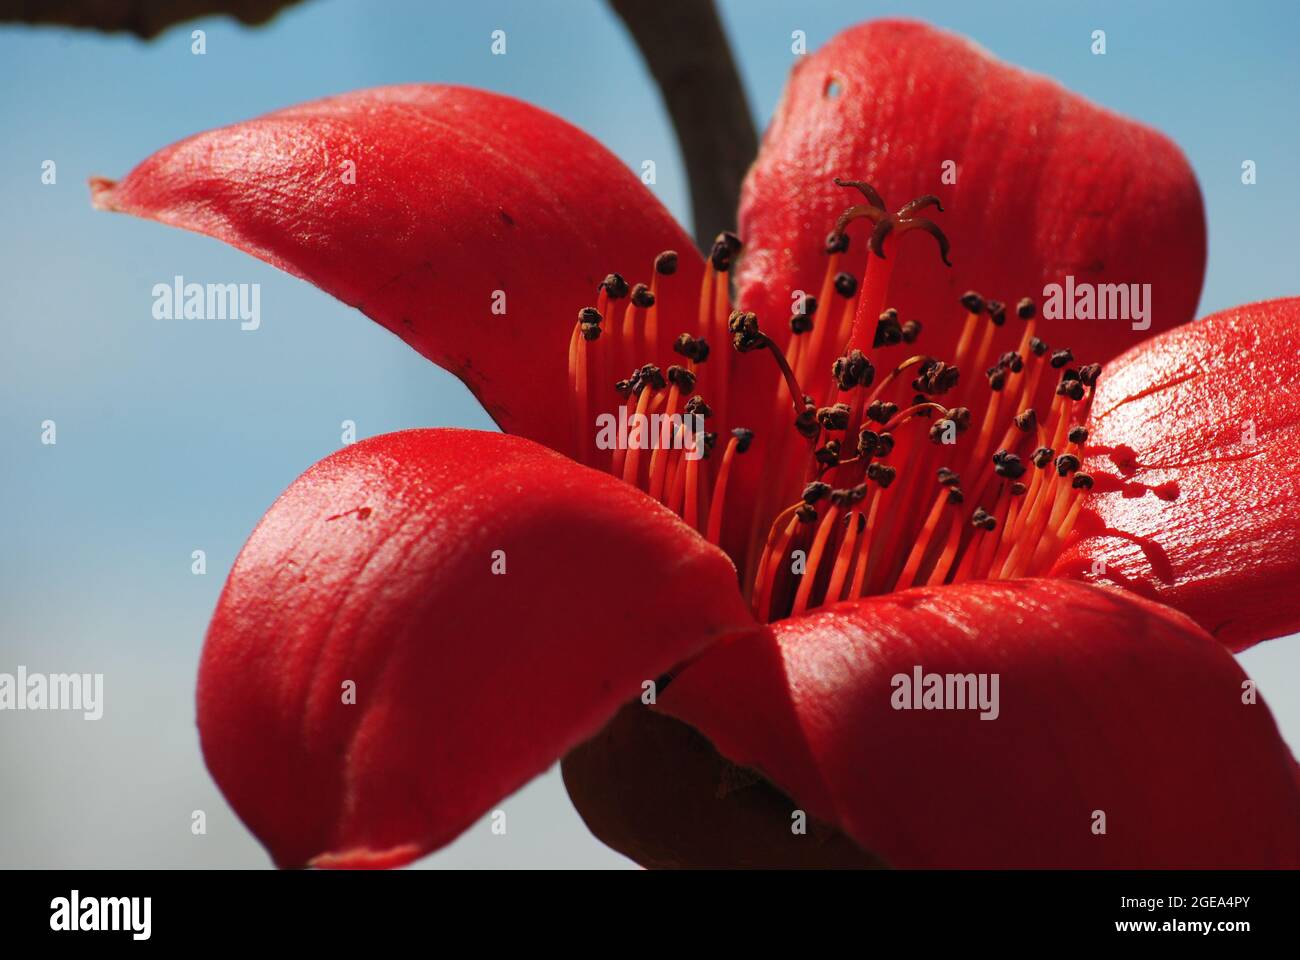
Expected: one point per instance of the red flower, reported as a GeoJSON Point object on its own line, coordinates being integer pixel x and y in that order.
{"type": "Point", "coordinates": [491, 604]}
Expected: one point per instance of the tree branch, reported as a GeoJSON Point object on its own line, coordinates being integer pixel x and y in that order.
{"type": "Point", "coordinates": [684, 46]}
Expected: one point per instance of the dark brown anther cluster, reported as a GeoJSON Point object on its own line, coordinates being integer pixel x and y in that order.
{"type": "Point", "coordinates": [745, 335]}
{"type": "Point", "coordinates": [1037, 346]}
{"type": "Point", "coordinates": [616, 287]}
{"type": "Point", "coordinates": [846, 285]}
{"type": "Point", "coordinates": [666, 263]}
{"type": "Point", "coordinates": [1026, 420]}
{"type": "Point", "coordinates": [697, 407]}
{"type": "Point", "coordinates": [1066, 464]}
{"type": "Point", "coordinates": [1041, 457]}
{"type": "Point", "coordinates": [1088, 374]}
{"type": "Point", "coordinates": [848, 496]}
{"type": "Point", "coordinates": [881, 474]}
{"type": "Point", "coordinates": [834, 417]}
{"type": "Point", "coordinates": [972, 301]}
{"type": "Point", "coordinates": [1070, 386]}
{"type": "Point", "coordinates": [1007, 464]}
{"type": "Point", "coordinates": [934, 378]}
{"type": "Point", "coordinates": [646, 376]}
{"type": "Point", "coordinates": [837, 242]}
{"type": "Point", "coordinates": [911, 330]}
{"type": "Point", "coordinates": [997, 311]}
{"type": "Point", "coordinates": [881, 411]}
{"type": "Point", "coordinates": [955, 496]}
{"type": "Point", "coordinates": [1060, 358]}
{"type": "Point", "coordinates": [724, 251]}
{"type": "Point", "coordinates": [1081, 481]}
{"type": "Point", "coordinates": [888, 330]}
{"type": "Point", "coordinates": [815, 491]}
{"type": "Point", "coordinates": [642, 297]}
{"type": "Point", "coordinates": [1078, 435]}
{"type": "Point", "coordinates": [946, 477]}
{"type": "Point", "coordinates": [590, 320]}
{"type": "Point", "coordinates": [682, 379]}
{"type": "Point", "coordinates": [806, 421]}
{"type": "Point", "coordinates": [829, 455]}
{"type": "Point", "coordinates": [1025, 309]}
{"type": "Point", "coordinates": [802, 321]}
{"type": "Point", "coordinates": [692, 348]}
{"type": "Point", "coordinates": [984, 520]}
{"type": "Point", "coordinates": [853, 370]}
{"type": "Point", "coordinates": [868, 442]}
{"type": "Point", "coordinates": [744, 438]}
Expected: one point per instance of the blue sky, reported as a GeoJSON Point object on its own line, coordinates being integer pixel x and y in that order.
{"type": "Point", "coordinates": [176, 436]}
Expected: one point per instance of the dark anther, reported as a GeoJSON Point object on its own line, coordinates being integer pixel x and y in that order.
{"type": "Point", "coordinates": [1011, 361]}
{"type": "Point", "coordinates": [1025, 309]}
{"type": "Point", "coordinates": [815, 491]}
{"type": "Point", "coordinates": [696, 406]}
{"type": "Point", "coordinates": [1078, 435]}
{"type": "Point", "coordinates": [1007, 464]}
{"type": "Point", "coordinates": [1026, 420]}
{"type": "Point", "coordinates": [849, 496]}
{"type": "Point", "coordinates": [624, 388]}
{"type": "Point", "coordinates": [853, 370]}
{"type": "Point", "coordinates": [846, 284]}
{"type": "Point", "coordinates": [1081, 481]}
{"type": "Point", "coordinates": [935, 378]}
{"type": "Point", "coordinates": [642, 297]}
{"type": "Point", "coordinates": [888, 329]}
{"type": "Point", "coordinates": [1066, 464]}
{"type": "Point", "coordinates": [682, 378]}
{"type": "Point", "coordinates": [881, 473]}
{"type": "Point", "coordinates": [710, 441]}
{"type": "Point", "coordinates": [947, 478]}
{"type": "Point", "coordinates": [800, 323]}
{"type": "Point", "coordinates": [955, 496]}
{"type": "Point", "coordinates": [692, 348]}
{"type": "Point", "coordinates": [666, 263]}
{"type": "Point", "coordinates": [942, 430]}
{"type": "Point", "coordinates": [997, 378]}
{"type": "Point", "coordinates": [615, 286]}
{"type": "Point", "coordinates": [868, 442]}
{"type": "Point", "coordinates": [997, 312]}
{"type": "Point", "coordinates": [885, 446]}
{"type": "Point", "coordinates": [960, 416]}
{"type": "Point", "coordinates": [925, 413]}
{"type": "Point", "coordinates": [829, 455]}
{"type": "Point", "coordinates": [1018, 489]}
{"type": "Point", "coordinates": [1060, 358]}
{"type": "Point", "coordinates": [725, 248]}
{"type": "Point", "coordinates": [911, 330]}
{"type": "Point", "coordinates": [1039, 347]}
{"type": "Point", "coordinates": [589, 315]}
{"type": "Point", "coordinates": [806, 422]}
{"type": "Point", "coordinates": [743, 437]}
{"type": "Point", "coordinates": [837, 242]}
{"type": "Point", "coordinates": [881, 411]}
{"type": "Point", "coordinates": [835, 417]}
{"type": "Point", "coordinates": [972, 301]}
{"type": "Point", "coordinates": [1089, 374]}
{"type": "Point", "coordinates": [648, 375]}
{"type": "Point", "coordinates": [982, 519]}
{"type": "Point", "coordinates": [1042, 456]}
{"type": "Point", "coordinates": [590, 331]}
{"type": "Point", "coordinates": [744, 331]}
{"type": "Point", "coordinates": [857, 495]}
{"type": "Point", "coordinates": [806, 514]}
{"type": "Point", "coordinates": [1071, 387]}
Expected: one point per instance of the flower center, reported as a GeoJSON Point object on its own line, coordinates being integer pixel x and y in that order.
{"type": "Point", "coordinates": [860, 482]}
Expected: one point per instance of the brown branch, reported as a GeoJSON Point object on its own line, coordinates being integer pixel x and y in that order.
{"type": "Point", "coordinates": [687, 52]}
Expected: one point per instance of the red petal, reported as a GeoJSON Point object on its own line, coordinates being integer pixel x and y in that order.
{"type": "Point", "coordinates": [458, 194]}
{"type": "Point", "coordinates": [376, 567]}
{"type": "Point", "coordinates": [1196, 501]}
{"type": "Point", "coordinates": [1106, 702]}
{"type": "Point", "coordinates": [1048, 184]}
